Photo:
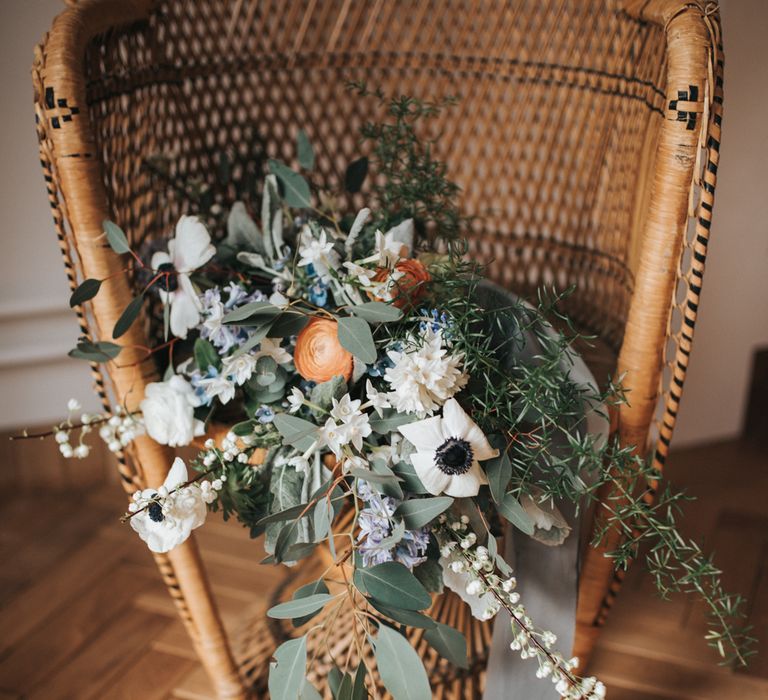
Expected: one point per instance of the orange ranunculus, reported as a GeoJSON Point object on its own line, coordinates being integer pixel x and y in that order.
{"type": "Point", "coordinates": [411, 286]}
{"type": "Point", "coordinates": [319, 356]}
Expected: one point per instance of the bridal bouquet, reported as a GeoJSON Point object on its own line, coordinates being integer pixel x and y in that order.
{"type": "Point", "coordinates": [355, 384]}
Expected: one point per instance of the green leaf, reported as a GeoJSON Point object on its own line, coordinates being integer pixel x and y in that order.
{"type": "Point", "coordinates": [394, 537]}
{"type": "Point", "coordinates": [418, 512]}
{"type": "Point", "coordinates": [295, 431]}
{"type": "Point", "coordinates": [358, 687]}
{"type": "Point", "coordinates": [449, 643]}
{"type": "Point", "coordinates": [295, 187]}
{"type": "Point", "coordinates": [355, 175]}
{"type": "Point", "coordinates": [254, 313]}
{"type": "Point", "coordinates": [355, 335]}
{"type": "Point", "coordinates": [511, 509]}
{"type": "Point", "coordinates": [288, 323]}
{"type": "Point", "coordinates": [115, 237]}
{"type": "Point", "coordinates": [322, 394]}
{"type": "Point", "coordinates": [286, 672]}
{"type": "Point", "coordinates": [300, 607]}
{"type": "Point", "coordinates": [430, 574]}
{"type": "Point", "coordinates": [304, 150]}
{"type": "Point", "coordinates": [257, 334]}
{"type": "Point", "coordinates": [86, 291]}
{"type": "Point", "coordinates": [305, 591]}
{"type": "Point", "coordinates": [499, 472]}
{"type": "Point", "coordinates": [345, 688]}
{"type": "Point", "coordinates": [377, 312]}
{"type": "Point", "coordinates": [283, 515]}
{"type": "Point", "coordinates": [392, 584]}
{"type": "Point", "coordinates": [402, 671]}
{"type": "Point", "coordinates": [206, 355]}
{"type": "Point", "coordinates": [309, 692]}
{"type": "Point", "coordinates": [410, 478]}
{"type": "Point", "coordinates": [390, 421]}
{"type": "Point", "coordinates": [404, 617]}
{"type": "Point", "coordinates": [95, 352]}
{"type": "Point", "coordinates": [391, 485]}
{"type": "Point", "coordinates": [129, 315]}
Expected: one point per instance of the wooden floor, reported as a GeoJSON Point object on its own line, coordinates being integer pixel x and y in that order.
{"type": "Point", "coordinates": [83, 613]}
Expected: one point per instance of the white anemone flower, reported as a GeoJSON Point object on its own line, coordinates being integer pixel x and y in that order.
{"type": "Point", "coordinates": [449, 449]}
{"type": "Point", "coordinates": [189, 250]}
{"type": "Point", "coordinates": [171, 513]}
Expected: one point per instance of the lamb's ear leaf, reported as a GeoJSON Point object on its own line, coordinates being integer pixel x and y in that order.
{"type": "Point", "coordinates": [296, 191]}
{"type": "Point", "coordinates": [304, 151]}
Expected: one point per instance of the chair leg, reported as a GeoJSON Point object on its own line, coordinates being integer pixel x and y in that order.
{"type": "Point", "coordinates": [193, 596]}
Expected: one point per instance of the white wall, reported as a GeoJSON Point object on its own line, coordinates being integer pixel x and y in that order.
{"type": "Point", "coordinates": [733, 319]}
{"type": "Point", "coordinates": [37, 328]}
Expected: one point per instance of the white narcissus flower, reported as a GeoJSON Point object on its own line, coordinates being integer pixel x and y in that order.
{"type": "Point", "coordinates": [378, 399]}
{"type": "Point", "coordinates": [240, 368]}
{"type": "Point", "coordinates": [169, 520]}
{"type": "Point", "coordinates": [295, 400]}
{"type": "Point", "coordinates": [189, 250]}
{"type": "Point", "coordinates": [317, 252]}
{"type": "Point", "coordinates": [549, 525]}
{"type": "Point", "coordinates": [395, 244]}
{"type": "Point", "coordinates": [270, 347]}
{"type": "Point", "coordinates": [168, 411]}
{"type": "Point", "coordinates": [449, 449]}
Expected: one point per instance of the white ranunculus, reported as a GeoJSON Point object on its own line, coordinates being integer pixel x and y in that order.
{"type": "Point", "coordinates": [449, 449]}
{"type": "Point", "coordinates": [189, 250]}
{"type": "Point", "coordinates": [168, 520]}
{"type": "Point", "coordinates": [168, 410]}
{"type": "Point", "coordinates": [549, 525]}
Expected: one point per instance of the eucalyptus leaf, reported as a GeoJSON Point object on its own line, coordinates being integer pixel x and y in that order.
{"type": "Point", "coordinates": [511, 509]}
{"type": "Point", "coordinates": [499, 472]}
{"type": "Point", "coordinates": [86, 291]}
{"type": "Point", "coordinates": [410, 478]}
{"type": "Point", "coordinates": [393, 584]}
{"type": "Point", "coordinates": [358, 687]}
{"type": "Point", "coordinates": [402, 671]}
{"type": "Point", "coordinates": [394, 537]}
{"type": "Point", "coordinates": [102, 351]}
{"type": "Point", "coordinates": [257, 334]}
{"type": "Point", "coordinates": [295, 187]}
{"type": "Point", "coordinates": [129, 315]}
{"type": "Point", "coordinates": [430, 574]}
{"type": "Point", "coordinates": [391, 485]}
{"type": "Point", "coordinates": [305, 591]}
{"type": "Point", "coordinates": [286, 672]}
{"type": "Point", "coordinates": [356, 337]}
{"type": "Point", "coordinates": [253, 313]}
{"type": "Point", "coordinates": [449, 643]}
{"type": "Point", "coordinates": [115, 237]}
{"type": "Point", "coordinates": [404, 617]}
{"type": "Point", "coordinates": [306, 155]}
{"type": "Point", "coordinates": [419, 512]}
{"type": "Point", "coordinates": [309, 692]}
{"type": "Point", "coordinates": [206, 355]}
{"type": "Point", "coordinates": [288, 323]}
{"type": "Point", "coordinates": [296, 431]}
{"type": "Point", "coordinates": [297, 608]}
{"type": "Point", "coordinates": [283, 515]}
{"type": "Point", "coordinates": [377, 312]}
{"type": "Point", "coordinates": [322, 394]}
{"type": "Point", "coordinates": [355, 175]}
{"type": "Point", "coordinates": [389, 421]}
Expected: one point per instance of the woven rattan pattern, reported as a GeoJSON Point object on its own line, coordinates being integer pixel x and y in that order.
{"type": "Point", "coordinates": [554, 99]}
{"type": "Point", "coordinates": [574, 140]}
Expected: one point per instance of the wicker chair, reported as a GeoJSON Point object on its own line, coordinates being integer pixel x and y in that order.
{"type": "Point", "coordinates": [586, 140]}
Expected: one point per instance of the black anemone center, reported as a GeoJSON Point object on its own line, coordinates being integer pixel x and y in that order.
{"type": "Point", "coordinates": [155, 511]}
{"type": "Point", "coordinates": [168, 281]}
{"type": "Point", "coordinates": [454, 456]}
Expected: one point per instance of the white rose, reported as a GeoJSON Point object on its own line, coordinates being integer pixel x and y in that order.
{"type": "Point", "coordinates": [168, 410]}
